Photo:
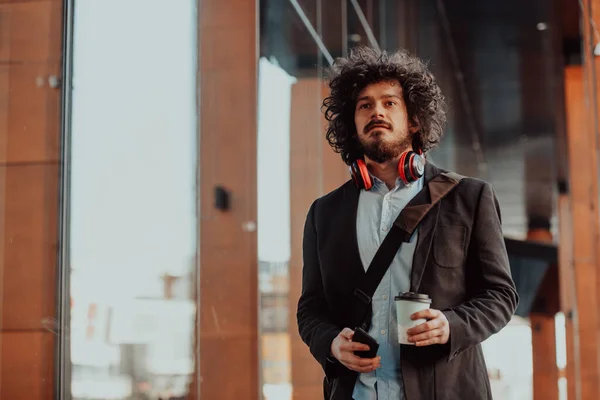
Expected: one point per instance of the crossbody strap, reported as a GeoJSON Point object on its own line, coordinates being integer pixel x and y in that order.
{"type": "Point", "coordinates": [403, 228]}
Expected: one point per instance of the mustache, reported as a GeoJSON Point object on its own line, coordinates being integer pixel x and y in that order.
{"type": "Point", "coordinates": [375, 122]}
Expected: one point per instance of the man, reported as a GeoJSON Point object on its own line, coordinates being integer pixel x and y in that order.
{"type": "Point", "coordinates": [381, 107]}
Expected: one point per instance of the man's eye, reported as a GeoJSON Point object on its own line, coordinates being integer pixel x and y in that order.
{"type": "Point", "coordinates": [366, 105]}
{"type": "Point", "coordinates": [391, 103]}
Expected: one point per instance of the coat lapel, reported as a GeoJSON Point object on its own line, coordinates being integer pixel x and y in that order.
{"type": "Point", "coordinates": [426, 231]}
{"type": "Point", "coordinates": [350, 204]}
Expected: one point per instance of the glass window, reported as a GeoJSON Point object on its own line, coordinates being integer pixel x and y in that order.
{"type": "Point", "coordinates": [290, 148]}
{"type": "Point", "coordinates": [133, 197]}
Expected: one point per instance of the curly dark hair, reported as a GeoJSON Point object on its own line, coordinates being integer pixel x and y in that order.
{"type": "Point", "coordinates": [364, 66]}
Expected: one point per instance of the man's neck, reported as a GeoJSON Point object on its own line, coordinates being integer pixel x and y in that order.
{"type": "Point", "coordinates": [386, 172]}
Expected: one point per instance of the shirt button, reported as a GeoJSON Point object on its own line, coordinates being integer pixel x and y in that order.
{"type": "Point", "coordinates": [385, 296]}
{"type": "Point", "coordinates": [384, 228]}
{"type": "Point", "coordinates": [383, 331]}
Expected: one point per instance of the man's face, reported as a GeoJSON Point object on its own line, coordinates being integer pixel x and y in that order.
{"type": "Point", "coordinates": [381, 121]}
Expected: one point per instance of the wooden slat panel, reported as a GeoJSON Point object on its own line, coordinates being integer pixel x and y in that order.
{"type": "Point", "coordinates": [25, 1]}
{"type": "Point", "coordinates": [584, 213]}
{"type": "Point", "coordinates": [228, 297]}
{"type": "Point", "coordinates": [591, 68]}
{"type": "Point", "coordinates": [4, 116]}
{"type": "Point", "coordinates": [305, 186]}
{"type": "Point", "coordinates": [31, 31]}
{"type": "Point", "coordinates": [228, 354]}
{"type": "Point", "coordinates": [566, 287]}
{"type": "Point", "coordinates": [231, 309]}
{"type": "Point", "coordinates": [29, 113]}
{"type": "Point", "coordinates": [30, 51]}
{"type": "Point", "coordinates": [229, 13]}
{"type": "Point", "coordinates": [28, 259]}
{"type": "Point", "coordinates": [545, 370]}
{"type": "Point", "coordinates": [218, 58]}
{"type": "Point", "coordinates": [315, 170]}
{"type": "Point", "coordinates": [543, 332]}
{"type": "Point", "coordinates": [26, 365]}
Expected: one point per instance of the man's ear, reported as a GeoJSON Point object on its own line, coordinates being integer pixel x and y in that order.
{"type": "Point", "coordinates": [414, 125]}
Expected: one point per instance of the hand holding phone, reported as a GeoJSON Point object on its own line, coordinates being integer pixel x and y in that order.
{"type": "Point", "coordinates": [346, 346]}
{"type": "Point", "coordinates": [361, 336]}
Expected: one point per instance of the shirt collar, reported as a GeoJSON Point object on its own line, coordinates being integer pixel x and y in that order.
{"type": "Point", "coordinates": [380, 186]}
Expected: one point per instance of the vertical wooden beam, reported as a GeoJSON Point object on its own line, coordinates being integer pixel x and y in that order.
{"type": "Point", "coordinates": [228, 291]}
{"type": "Point", "coordinates": [30, 53]}
{"type": "Point", "coordinates": [315, 170]}
{"type": "Point", "coordinates": [568, 304]}
{"type": "Point", "coordinates": [563, 11]}
{"type": "Point", "coordinates": [584, 213]}
{"type": "Point", "coordinates": [581, 98]}
{"type": "Point", "coordinates": [305, 174]}
{"type": "Point", "coordinates": [592, 67]}
{"type": "Point", "coordinates": [545, 369]}
{"type": "Point", "coordinates": [543, 331]}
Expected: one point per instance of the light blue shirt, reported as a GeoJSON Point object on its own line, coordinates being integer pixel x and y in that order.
{"type": "Point", "coordinates": [377, 211]}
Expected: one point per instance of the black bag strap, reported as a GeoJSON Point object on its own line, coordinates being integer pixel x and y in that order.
{"type": "Point", "coordinates": [403, 228]}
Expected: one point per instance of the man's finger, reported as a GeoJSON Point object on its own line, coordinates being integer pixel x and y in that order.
{"type": "Point", "coordinates": [429, 313]}
{"type": "Point", "coordinates": [429, 342]}
{"type": "Point", "coordinates": [361, 364]}
{"type": "Point", "coordinates": [354, 346]}
{"type": "Point", "coordinates": [375, 363]}
{"type": "Point", "coordinates": [351, 358]}
{"type": "Point", "coordinates": [425, 335]}
{"type": "Point", "coordinates": [352, 367]}
{"type": "Point", "coordinates": [347, 333]}
{"type": "Point", "coordinates": [425, 327]}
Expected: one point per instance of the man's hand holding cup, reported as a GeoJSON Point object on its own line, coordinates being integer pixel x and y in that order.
{"type": "Point", "coordinates": [435, 331]}
{"type": "Point", "coordinates": [418, 324]}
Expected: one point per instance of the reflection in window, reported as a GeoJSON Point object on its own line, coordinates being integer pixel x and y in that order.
{"type": "Point", "coordinates": [133, 198]}
{"type": "Point", "coordinates": [274, 108]}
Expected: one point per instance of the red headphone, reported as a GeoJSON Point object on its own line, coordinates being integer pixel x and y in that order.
{"type": "Point", "coordinates": [411, 167]}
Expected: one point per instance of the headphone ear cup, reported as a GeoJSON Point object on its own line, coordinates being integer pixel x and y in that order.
{"type": "Point", "coordinates": [417, 166]}
{"type": "Point", "coordinates": [403, 170]}
{"type": "Point", "coordinates": [360, 175]}
{"type": "Point", "coordinates": [364, 171]}
{"type": "Point", "coordinates": [411, 166]}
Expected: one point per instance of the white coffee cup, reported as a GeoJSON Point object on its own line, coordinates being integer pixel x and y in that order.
{"type": "Point", "coordinates": [408, 303]}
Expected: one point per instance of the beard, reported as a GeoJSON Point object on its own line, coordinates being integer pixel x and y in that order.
{"type": "Point", "coordinates": [380, 148]}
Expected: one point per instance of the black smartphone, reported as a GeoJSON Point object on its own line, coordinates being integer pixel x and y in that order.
{"type": "Point", "coordinates": [361, 336]}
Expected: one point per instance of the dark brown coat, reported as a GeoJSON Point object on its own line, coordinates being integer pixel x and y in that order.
{"type": "Point", "coordinates": [460, 261]}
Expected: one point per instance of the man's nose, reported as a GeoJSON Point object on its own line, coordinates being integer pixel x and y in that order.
{"type": "Point", "coordinates": [378, 112]}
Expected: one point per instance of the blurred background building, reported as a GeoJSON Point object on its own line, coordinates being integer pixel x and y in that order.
{"type": "Point", "coordinates": [158, 158]}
